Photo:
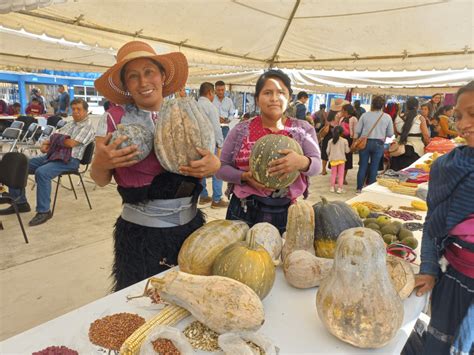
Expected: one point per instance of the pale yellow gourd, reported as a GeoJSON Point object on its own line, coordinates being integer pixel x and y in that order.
{"type": "Point", "coordinates": [304, 270]}
{"type": "Point", "coordinates": [223, 304]}
{"type": "Point", "coordinates": [268, 236]}
{"type": "Point", "coordinates": [299, 229]}
{"type": "Point", "coordinates": [201, 248]}
{"type": "Point", "coordinates": [357, 301]}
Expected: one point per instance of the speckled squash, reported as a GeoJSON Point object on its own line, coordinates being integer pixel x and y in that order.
{"type": "Point", "coordinates": [137, 135]}
{"type": "Point", "coordinates": [402, 275]}
{"type": "Point", "coordinates": [331, 219]}
{"type": "Point", "coordinates": [357, 301]}
{"type": "Point", "coordinates": [223, 304]}
{"type": "Point", "coordinates": [201, 248]}
{"type": "Point", "coordinates": [268, 236]}
{"type": "Point", "coordinates": [304, 270]}
{"type": "Point", "coordinates": [299, 229]}
{"type": "Point", "coordinates": [181, 128]}
{"type": "Point", "coordinates": [265, 151]}
{"type": "Point", "coordinates": [249, 263]}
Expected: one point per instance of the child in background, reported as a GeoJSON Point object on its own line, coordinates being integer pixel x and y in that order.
{"type": "Point", "coordinates": [337, 149]}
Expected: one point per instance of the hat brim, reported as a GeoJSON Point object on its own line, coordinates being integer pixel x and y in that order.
{"type": "Point", "coordinates": [339, 107]}
{"type": "Point", "coordinates": [176, 69]}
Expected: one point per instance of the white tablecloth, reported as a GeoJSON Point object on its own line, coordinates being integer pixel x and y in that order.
{"type": "Point", "coordinates": [291, 321]}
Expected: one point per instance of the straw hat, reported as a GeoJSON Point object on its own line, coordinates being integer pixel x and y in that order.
{"type": "Point", "coordinates": [337, 104]}
{"type": "Point", "coordinates": [175, 65]}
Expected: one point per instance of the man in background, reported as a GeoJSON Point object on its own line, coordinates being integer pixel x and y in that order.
{"type": "Point", "coordinates": [224, 106]}
{"type": "Point", "coordinates": [63, 102]}
{"type": "Point", "coordinates": [206, 97]}
{"type": "Point", "coordinates": [300, 105]}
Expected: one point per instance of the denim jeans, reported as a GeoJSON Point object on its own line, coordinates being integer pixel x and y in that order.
{"type": "Point", "coordinates": [373, 152]}
{"type": "Point", "coordinates": [45, 171]}
{"type": "Point", "coordinates": [216, 189]}
{"type": "Point", "coordinates": [225, 130]}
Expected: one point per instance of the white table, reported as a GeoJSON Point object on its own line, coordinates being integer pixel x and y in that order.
{"type": "Point", "coordinates": [375, 187]}
{"type": "Point", "coordinates": [291, 321]}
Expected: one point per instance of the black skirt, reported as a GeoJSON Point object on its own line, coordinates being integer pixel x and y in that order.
{"type": "Point", "coordinates": [142, 252]}
{"type": "Point", "coordinates": [405, 160]}
{"type": "Point", "coordinates": [348, 164]}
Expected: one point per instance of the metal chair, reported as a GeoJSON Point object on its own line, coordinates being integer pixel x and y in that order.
{"type": "Point", "coordinates": [17, 124]}
{"type": "Point", "coordinates": [30, 133]}
{"type": "Point", "coordinates": [14, 173]}
{"type": "Point", "coordinates": [11, 136]}
{"type": "Point", "coordinates": [60, 124]}
{"type": "Point", "coordinates": [86, 160]}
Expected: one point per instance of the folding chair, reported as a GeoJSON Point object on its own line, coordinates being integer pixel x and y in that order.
{"type": "Point", "coordinates": [30, 133]}
{"type": "Point", "coordinates": [86, 160]}
{"type": "Point", "coordinates": [14, 173]}
{"type": "Point", "coordinates": [17, 124]}
{"type": "Point", "coordinates": [60, 124]}
{"type": "Point", "coordinates": [11, 136]}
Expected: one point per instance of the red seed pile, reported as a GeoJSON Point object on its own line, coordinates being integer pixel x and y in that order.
{"type": "Point", "coordinates": [165, 347]}
{"type": "Point", "coordinates": [111, 332]}
{"type": "Point", "coordinates": [56, 350]}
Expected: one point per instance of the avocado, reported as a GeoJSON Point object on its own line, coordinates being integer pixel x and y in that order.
{"type": "Point", "coordinates": [389, 229]}
{"type": "Point", "coordinates": [389, 238]}
{"type": "Point", "coordinates": [411, 242]}
{"type": "Point", "coordinates": [369, 220]}
{"type": "Point", "coordinates": [404, 233]}
{"type": "Point", "coordinates": [373, 226]}
{"type": "Point", "coordinates": [398, 225]}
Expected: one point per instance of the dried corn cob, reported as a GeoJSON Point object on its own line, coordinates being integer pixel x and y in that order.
{"type": "Point", "coordinates": [170, 315]}
{"type": "Point", "coordinates": [374, 207]}
{"type": "Point", "coordinates": [387, 182]}
{"type": "Point", "coordinates": [404, 190]}
{"type": "Point", "coordinates": [409, 184]}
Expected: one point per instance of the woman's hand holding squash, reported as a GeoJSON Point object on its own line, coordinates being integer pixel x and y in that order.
{"type": "Point", "coordinates": [291, 162]}
{"type": "Point", "coordinates": [208, 165]}
{"type": "Point", "coordinates": [108, 156]}
{"type": "Point", "coordinates": [424, 283]}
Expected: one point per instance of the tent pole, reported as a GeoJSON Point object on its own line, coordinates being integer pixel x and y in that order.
{"type": "Point", "coordinates": [283, 35]}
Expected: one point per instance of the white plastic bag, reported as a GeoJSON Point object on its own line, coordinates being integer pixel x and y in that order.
{"type": "Point", "coordinates": [236, 343]}
{"type": "Point", "coordinates": [166, 332]}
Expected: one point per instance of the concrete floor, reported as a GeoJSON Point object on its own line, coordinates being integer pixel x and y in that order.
{"type": "Point", "coordinates": [68, 260]}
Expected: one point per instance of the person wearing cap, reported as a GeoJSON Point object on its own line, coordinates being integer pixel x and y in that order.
{"type": "Point", "coordinates": [147, 238]}
{"type": "Point", "coordinates": [325, 133]}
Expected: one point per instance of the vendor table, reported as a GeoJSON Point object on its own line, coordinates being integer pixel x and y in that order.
{"type": "Point", "coordinates": [291, 319]}
{"type": "Point", "coordinates": [375, 187]}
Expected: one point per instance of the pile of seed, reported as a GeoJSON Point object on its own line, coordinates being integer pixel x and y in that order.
{"type": "Point", "coordinates": [165, 347]}
{"type": "Point", "coordinates": [201, 337]}
{"type": "Point", "coordinates": [56, 350]}
{"type": "Point", "coordinates": [403, 215]}
{"type": "Point", "coordinates": [413, 226]}
{"type": "Point", "coordinates": [111, 332]}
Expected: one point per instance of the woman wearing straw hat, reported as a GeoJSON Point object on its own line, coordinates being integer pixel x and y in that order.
{"type": "Point", "coordinates": [146, 239]}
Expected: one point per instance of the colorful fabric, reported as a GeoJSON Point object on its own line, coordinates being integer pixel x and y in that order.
{"type": "Point", "coordinates": [57, 149]}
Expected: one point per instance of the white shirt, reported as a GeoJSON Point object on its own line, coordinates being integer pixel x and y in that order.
{"type": "Point", "coordinates": [211, 113]}
{"type": "Point", "coordinates": [225, 108]}
{"type": "Point", "coordinates": [415, 128]}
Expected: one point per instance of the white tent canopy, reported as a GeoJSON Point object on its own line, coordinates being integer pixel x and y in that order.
{"type": "Point", "coordinates": [325, 40]}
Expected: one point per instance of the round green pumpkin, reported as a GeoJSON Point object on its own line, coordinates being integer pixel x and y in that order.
{"type": "Point", "coordinates": [264, 151]}
{"type": "Point", "coordinates": [331, 219]}
{"type": "Point", "coordinates": [249, 263]}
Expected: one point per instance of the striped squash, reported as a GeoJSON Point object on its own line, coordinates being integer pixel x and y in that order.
{"type": "Point", "coordinates": [181, 128]}
{"type": "Point", "coordinates": [201, 248]}
{"type": "Point", "coordinates": [266, 150]}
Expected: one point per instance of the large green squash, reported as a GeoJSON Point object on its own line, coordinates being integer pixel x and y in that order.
{"type": "Point", "coordinates": [249, 263]}
{"type": "Point", "coordinates": [357, 301]}
{"type": "Point", "coordinates": [266, 150]}
{"type": "Point", "coordinates": [200, 249]}
{"type": "Point", "coordinates": [331, 219]}
{"type": "Point", "coordinates": [137, 135]}
{"type": "Point", "coordinates": [181, 128]}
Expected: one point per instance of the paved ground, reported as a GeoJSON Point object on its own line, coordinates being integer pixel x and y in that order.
{"type": "Point", "coordinates": [68, 261]}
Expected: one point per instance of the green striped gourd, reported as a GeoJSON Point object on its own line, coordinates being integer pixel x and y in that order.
{"type": "Point", "coordinates": [266, 150]}
{"type": "Point", "coordinates": [137, 135]}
